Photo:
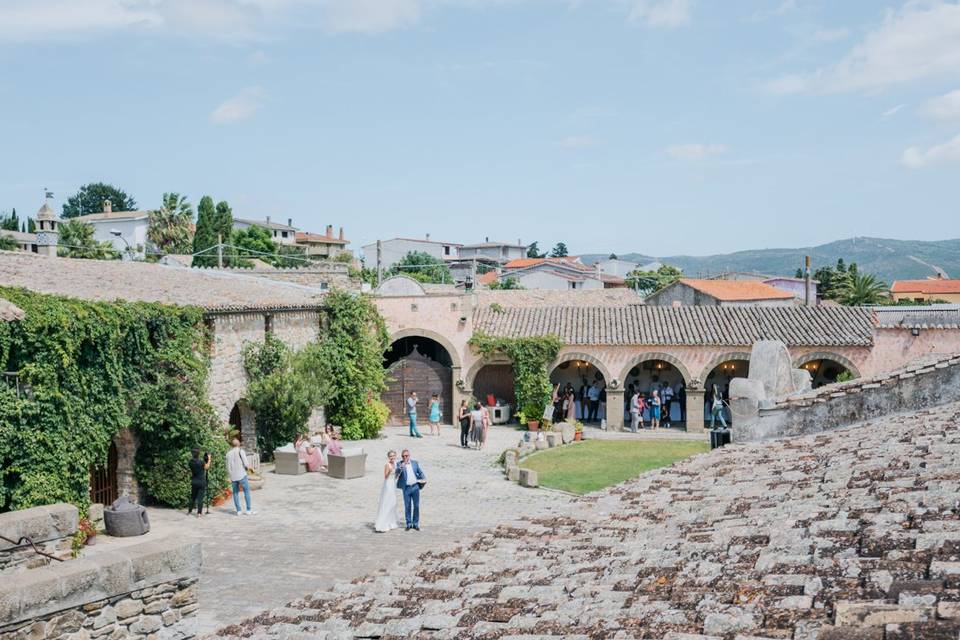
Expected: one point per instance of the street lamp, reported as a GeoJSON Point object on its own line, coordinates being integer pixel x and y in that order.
{"type": "Point", "coordinates": [128, 254]}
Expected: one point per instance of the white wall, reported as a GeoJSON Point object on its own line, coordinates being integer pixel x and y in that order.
{"type": "Point", "coordinates": [395, 250]}
{"type": "Point", "coordinates": [546, 279]}
{"type": "Point", "coordinates": [133, 231]}
{"type": "Point", "coordinates": [275, 234]}
{"type": "Point", "coordinates": [618, 268]}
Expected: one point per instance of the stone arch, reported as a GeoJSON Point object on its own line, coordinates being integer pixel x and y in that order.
{"type": "Point", "coordinates": [400, 286]}
{"type": "Point", "coordinates": [474, 369]}
{"type": "Point", "coordinates": [657, 355]}
{"type": "Point", "coordinates": [720, 359]}
{"type": "Point", "coordinates": [799, 361]}
{"type": "Point", "coordinates": [586, 357]}
{"type": "Point", "coordinates": [432, 335]}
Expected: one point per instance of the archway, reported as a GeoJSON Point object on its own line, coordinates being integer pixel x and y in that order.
{"type": "Point", "coordinates": [423, 365]}
{"type": "Point", "coordinates": [587, 377]}
{"type": "Point", "coordinates": [665, 374]}
{"type": "Point", "coordinates": [717, 376]}
{"type": "Point", "coordinates": [243, 425]}
{"type": "Point", "coordinates": [826, 368]}
{"type": "Point", "coordinates": [103, 479]}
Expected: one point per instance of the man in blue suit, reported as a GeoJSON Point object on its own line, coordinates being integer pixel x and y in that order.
{"type": "Point", "coordinates": [410, 479]}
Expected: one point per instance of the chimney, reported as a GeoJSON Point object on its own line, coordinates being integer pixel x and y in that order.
{"type": "Point", "coordinates": [428, 237]}
{"type": "Point", "coordinates": [268, 219]}
{"type": "Point", "coordinates": [520, 242]}
{"type": "Point", "coordinates": [341, 233]}
{"type": "Point", "coordinates": [107, 206]}
{"type": "Point", "coordinates": [329, 230]}
{"type": "Point", "coordinates": [289, 222]}
{"type": "Point", "coordinates": [486, 239]}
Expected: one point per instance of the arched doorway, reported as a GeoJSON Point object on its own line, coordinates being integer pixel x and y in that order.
{"type": "Point", "coordinates": [103, 479]}
{"type": "Point", "coordinates": [243, 425]}
{"type": "Point", "coordinates": [824, 371]}
{"type": "Point", "coordinates": [717, 380]}
{"type": "Point", "coordinates": [666, 375]}
{"type": "Point", "coordinates": [581, 373]}
{"type": "Point", "coordinates": [494, 381]}
{"type": "Point", "coordinates": [423, 365]}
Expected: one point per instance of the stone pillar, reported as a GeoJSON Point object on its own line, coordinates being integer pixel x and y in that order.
{"type": "Point", "coordinates": [458, 394]}
{"type": "Point", "coordinates": [695, 410]}
{"type": "Point", "coordinates": [615, 409]}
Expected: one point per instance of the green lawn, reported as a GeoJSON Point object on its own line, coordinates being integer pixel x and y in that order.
{"type": "Point", "coordinates": [593, 465]}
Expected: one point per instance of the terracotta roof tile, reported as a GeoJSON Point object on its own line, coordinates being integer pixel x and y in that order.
{"type": "Point", "coordinates": [737, 290]}
{"type": "Point", "coordinates": [928, 286]}
{"type": "Point", "coordinates": [644, 325]}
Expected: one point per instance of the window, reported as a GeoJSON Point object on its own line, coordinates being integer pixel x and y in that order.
{"type": "Point", "coordinates": [283, 234]}
{"type": "Point", "coordinates": [446, 251]}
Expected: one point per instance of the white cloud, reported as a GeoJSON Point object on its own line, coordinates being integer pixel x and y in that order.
{"type": "Point", "coordinates": [240, 107]}
{"type": "Point", "coordinates": [892, 111]}
{"type": "Point", "coordinates": [918, 41]}
{"type": "Point", "coordinates": [945, 107]}
{"type": "Point", "coordinates": [371, 16]}
{"type": "Point", "coordinates": [917, 158]}
{"type": "Point", "coordinates": [25, 20]}
{"type": "Point", "coordinates": [831, 35]}
{"type": "Point", "coordinates": [661, 13]}
{"type": "Point", "coordinates": [695, 151]}
{"type": "Point", "coordinates": [578, 142]}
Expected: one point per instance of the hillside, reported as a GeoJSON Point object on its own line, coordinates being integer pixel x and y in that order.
{"type": "Point", "coordinates": [889, 259]}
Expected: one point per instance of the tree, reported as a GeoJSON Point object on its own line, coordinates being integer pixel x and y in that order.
{"type": "Point", "coordinates": [90, 197]}
{"type": "Point", "coordinates": [646, 282]}
{"type": "Point", "coordinates": [76, 241]}
{"type": "Point", "coordinates": [861, 288]}
{"type": "Point", "coordinates": [205, 235]}
{"type": "Point", "coordinates": [7, 243]}
{"type": "Point", "coordinates": [31, 225]}
{"type": "Point", "coordinates": [506, 283]}
{"type": "Point", "coordinates": [830, 279]}
{"type": "Point", "coordinates": [613, 256]}
{"type": "Point", "coordinates": [559, 251]}
{"type": "Point", "coordinates": [169, 226]}
{"type": "Point", "coordinates": [423, 267]}
{"type": "Point", "coordinates": [10, 222]}
{"type": "Point", "coordinates": [533, 251]}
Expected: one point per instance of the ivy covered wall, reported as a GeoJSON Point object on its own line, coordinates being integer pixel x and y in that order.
{"type": "Point", "coordinates": [77, 372]}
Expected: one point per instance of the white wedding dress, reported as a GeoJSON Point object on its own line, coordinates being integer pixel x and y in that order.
{"type": "Point", "coordinates": [387, 513]}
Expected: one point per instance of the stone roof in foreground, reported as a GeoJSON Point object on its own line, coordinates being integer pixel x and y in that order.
{"type": "Point", "coordinates": [724, 326]}
{"type": "Point", "coordinates": [108, 280]}
{"type": "Point", "coordinates": [846, 534]}
{"type": "Point", "coordinates": [9, 311]}
{"type": "Point", "coordinates": [547, 298]}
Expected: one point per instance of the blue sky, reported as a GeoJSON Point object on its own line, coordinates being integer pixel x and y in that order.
{"type": "Point", "coordinates": [658, 126]}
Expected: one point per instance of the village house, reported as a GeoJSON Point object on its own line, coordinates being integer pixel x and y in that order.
{"type": "Point", "coordinates": [927, 290]}
{"type": "Point", "coordinates": [126, 231]}
{"type": "Point", "coordinates": [558, 274]}
{"type": "Point", "coordinates": [719, 293]}
{"type": "Point", "coordinates": [25, 241]}
{"type": "Point", "coordinates": [620, 268]}
{"type": "Point", "coordinates": [387, 253]}
{"type": "Point", "coordinates": [324, 247]}
{"type": "Point", "coordinates": [279, 233]}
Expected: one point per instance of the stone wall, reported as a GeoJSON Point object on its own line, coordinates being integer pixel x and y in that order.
{"type": "Point", "coordinates": [51, 529]}
{"type": "Point", "coordinates": [927, 383]}
{"type": "Point", "coordinates": [147, 590]}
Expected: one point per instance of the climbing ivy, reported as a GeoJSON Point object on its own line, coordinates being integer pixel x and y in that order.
{"type": "Point", "coordinates": [77, 372]}
{"type": "Point", "coordinates": [530, 357]}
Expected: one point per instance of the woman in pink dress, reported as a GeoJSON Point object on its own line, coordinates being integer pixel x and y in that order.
{"type": "Point", "coordinates": [308, 453]}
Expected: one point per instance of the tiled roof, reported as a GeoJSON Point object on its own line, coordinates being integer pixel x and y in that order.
{"type": "Point", "coordinates": [107, 280]}
{"type": "Point", "coordinates": [934, 317]}
{"type": "Point", "coordinates": [9, 311]}
{"type": "Point", "coordinates": [548, 298]}
{"type": "Point", "coordinates": [20, 236]}
{"type": "Point", "coordinates": [930, 286]}
{"type": "Point", "coordinates": [644, 325]}
{"type": "Point", "coordinates": [488, 278]}
{"type": "Point", "coordinates": [523, 263]}
{"type": "Point", "coordinates": [303, 236]}
{"type": "Point", "coordinates": [266, 224]}
{"type": "Point", "coordinates": [737, 290]}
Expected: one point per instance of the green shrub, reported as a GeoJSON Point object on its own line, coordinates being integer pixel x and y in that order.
{"type": "Point", "coordinates": [367, 423]}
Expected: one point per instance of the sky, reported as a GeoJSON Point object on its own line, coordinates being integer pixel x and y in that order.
{"type": "Point", "coordinates": [655, 126]}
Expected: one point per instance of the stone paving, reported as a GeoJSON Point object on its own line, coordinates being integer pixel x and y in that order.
{"type": "Point", "coordinates": [849, 534]}
{"type": "Point", "coordinates": [312, 530]}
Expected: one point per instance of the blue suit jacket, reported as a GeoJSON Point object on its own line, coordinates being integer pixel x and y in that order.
{"type": "Point", "coordinates": [417, 471]}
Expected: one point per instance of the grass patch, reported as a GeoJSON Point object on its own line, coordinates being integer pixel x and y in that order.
{"type": "Point", "coordinates": [598, 464]}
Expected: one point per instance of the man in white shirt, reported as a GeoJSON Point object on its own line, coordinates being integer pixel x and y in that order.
{"type": "Point", "coordinates": [635, 411]}
{"type": "Point", "coordinates": [410, 480]}
{"type": "Point", "coordinates": [412, 414]}
{"type": "Point", "coordinates": [593, 395]}
{"type": "Point", "coordinates": [237, 466]}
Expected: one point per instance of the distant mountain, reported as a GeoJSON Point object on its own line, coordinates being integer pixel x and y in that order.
{"type": "Point", "coordinates": [889, 259]}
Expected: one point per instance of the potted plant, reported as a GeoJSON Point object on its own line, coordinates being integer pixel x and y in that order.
{"type": "Point", "coordinates": [88, 531]}
{"type": "Point", "coordinates": [577, 430]}
{"type": "Point", "coordinates": [529, 413]}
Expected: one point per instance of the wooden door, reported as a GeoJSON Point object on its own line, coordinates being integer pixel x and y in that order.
{"type": "Point", "coordinates": [419, 373]}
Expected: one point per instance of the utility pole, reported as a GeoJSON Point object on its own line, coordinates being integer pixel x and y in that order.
{"type": "Point", "coordinates": [220, 251]}
{"type": "Point", "coordinates": [379, 262]}
{"type": "Point", "coordinates": [806, 281]}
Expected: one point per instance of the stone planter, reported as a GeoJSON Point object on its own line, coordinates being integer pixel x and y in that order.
{"type": "Point", "coordinates": [255, 483]}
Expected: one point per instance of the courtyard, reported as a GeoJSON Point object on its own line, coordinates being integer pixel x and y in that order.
{"type": "Point", "coordinates": [311, 531]}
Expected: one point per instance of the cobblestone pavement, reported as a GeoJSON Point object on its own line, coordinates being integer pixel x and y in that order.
{"type": "Point", "coordinates": [312, 530]}
{"type": "Point", "coordinates": [847, 534]}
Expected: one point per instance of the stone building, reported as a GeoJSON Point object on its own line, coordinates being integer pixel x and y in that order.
{"type": "Point", "coordinates": [325, 246]}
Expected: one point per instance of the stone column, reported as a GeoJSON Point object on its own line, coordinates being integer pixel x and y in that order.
{"type": "Point", "coordinates": [695, 410]}
{"type": "Point", "coordinates": [615, 409]}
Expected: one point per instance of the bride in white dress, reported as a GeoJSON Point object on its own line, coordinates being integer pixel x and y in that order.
{"type": "Point", "coordinates": [387, 513]}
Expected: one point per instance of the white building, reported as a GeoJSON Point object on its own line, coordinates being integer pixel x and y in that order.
{"type": "Point", "coordinates": [395, 249]}
{"type": "Point", "coordinates": [126, 231]}
{"type": "Point", "coordinates": [279, 233]}
{"type": "Point", "coordinates": [502, 252]}
{"type": "Point", "coordinates": [622, 268]}
{"type": "Point", "coordinates": [557, 274]}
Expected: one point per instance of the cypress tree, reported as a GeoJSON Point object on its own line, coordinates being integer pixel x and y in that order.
{"type": "Point", "coordinates": [206, 233]}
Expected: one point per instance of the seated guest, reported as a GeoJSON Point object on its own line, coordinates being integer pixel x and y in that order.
{"type": "Point", "coordinates": [308, 453]}
{"type": "Point", "coordinates": [333, 445]}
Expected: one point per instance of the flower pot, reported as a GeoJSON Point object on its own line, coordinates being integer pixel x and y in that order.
{"type": "Point", "coordinates": [533, 425]}
{"type": "Point", "coordinates": [91, 540]}
{"type": "Point", "coordinates": [577, 435]}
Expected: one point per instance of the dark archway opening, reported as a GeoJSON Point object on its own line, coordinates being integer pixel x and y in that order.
{"type": "Point", "coordinates": [103, 479]}
{"type": "Point", "coordinates": [718, 383]}
{"type": "Point", "coordinates": [668, 381]}
{"type": "Point", "coordinates": [422, 365]}
{"type": "Point", "coordinates": [826, 371]}
{"type": "Point", "coordinates": [580, 377]}
{"type": "Point", "coordinates": [427, 347]}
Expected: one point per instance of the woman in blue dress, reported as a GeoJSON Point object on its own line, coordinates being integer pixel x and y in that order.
{"type": "Point", "coordinates": [434, 413]}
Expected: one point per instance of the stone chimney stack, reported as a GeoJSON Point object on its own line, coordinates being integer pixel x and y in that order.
{"type": "Point", "coordinates": [289, 222]}
{"type": "Point", "coordinates": [428, 237]}
{"type": "Point", "coordinates": [329, 230]}
{"type": "Point", "coordinates": [268, 219]}
{"type": "Point", "coordinates": [107, 206]}
{"type": "Point", "coordinates": [341, 233]}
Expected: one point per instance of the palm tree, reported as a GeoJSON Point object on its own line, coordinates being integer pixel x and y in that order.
{"type": "Point", "coordinates": [169, 226]}
{"type": "Point", "coordinates": [861, 288]}
{"type": "Point", "coordinates": [76, 241]}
